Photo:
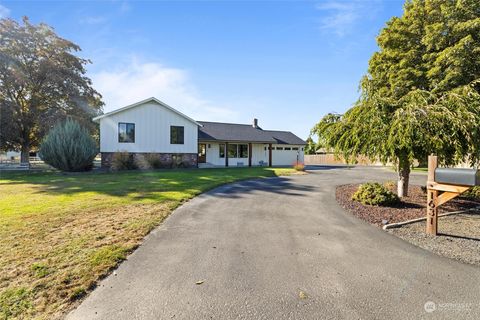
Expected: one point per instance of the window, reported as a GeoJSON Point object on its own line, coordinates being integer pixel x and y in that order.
{"type": "Point", "coordinates": [295, 148]}
{"type": "Point", "coordinates": [235, 151]}
{"type": "Point", "coordinates": [176, 135]}
{"type": "Point", "coordinates": [279, 148]}
{"type": "Point", "coordinates": [221, 150]}
{"type": "Point", "coordinates": [232, 150]}
{"type": "Point", "coordinates": [126, 132]}
{"type": "Point", "coordinates": [243, 150]}
{"type": "Point", "coordinates": [288, 148]}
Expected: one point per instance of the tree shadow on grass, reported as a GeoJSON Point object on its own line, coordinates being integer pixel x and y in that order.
{"type": "Point", "coordinates": [157, 185]}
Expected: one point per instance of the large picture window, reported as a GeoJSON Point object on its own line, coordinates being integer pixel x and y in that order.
{"type": "Point", "coordinates": [243, 150]}
{"type": "Point", "coordinates": [126, 132]}
{"type": "Point", "coordinates": [236, 150]}
{"type": "Point", "coordinates": [221, 150]}
{"type": "Point", "coordinates": [232, 150]}
{"type": "Point", "coordinates": [176, 135]}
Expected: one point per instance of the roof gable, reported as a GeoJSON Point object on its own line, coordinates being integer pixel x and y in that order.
{"type": "Point", "coordinates": [140, 103]}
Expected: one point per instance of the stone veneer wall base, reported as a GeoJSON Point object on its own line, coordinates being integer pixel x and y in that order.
{"type": "Point", "coordinates": [169, 159]}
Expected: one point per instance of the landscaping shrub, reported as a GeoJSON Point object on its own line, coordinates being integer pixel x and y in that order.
{"type": "Point", "coordinates": [69, 147]}
{"type": "Point", "coordinates": [186, 164]}
{"type": "Point", "coordinates": [473, 193]}
{"type": "Point", "coordinates": [299, 166]}
{"type": "Point", "coordinates": [375, 194]}
{"type": "Point", "coordinates": [123, 161]}
{"type": "Point", "coordinates": [153, 161]}
{"type": "Point", "coordinates": [390, 185]}
{"type": "Point", "coordinates": [177, 161]}
{"type": "Point", "coordinates": [167, 164]}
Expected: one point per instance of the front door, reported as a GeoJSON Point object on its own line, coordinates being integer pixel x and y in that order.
{"type": "Point", "coordinates": [202, 153]}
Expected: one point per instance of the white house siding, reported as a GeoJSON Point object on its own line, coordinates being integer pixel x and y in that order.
{"type": "Point", "coordinates": [152, 131]}
{"type": "Point", "coordinates": [286, 157]}
{"type": "Point", "coordinates": [213, 154]}
{"type": "Point", "coordinates": [259, 153]}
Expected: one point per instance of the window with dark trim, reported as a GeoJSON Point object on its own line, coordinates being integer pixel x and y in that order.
{"type": "Point", "coordinates": [126, 132]}
{"type": "Point", "coordinates": [243, 150]}
{"type": "Point", "coordinates": [232, 150]}
{"type": "Point", "coordinates": [221, 150]}
{"type": "Point", "coordinates": [176, 135]}
{"type": "Point", "coordinates": [236, 150]}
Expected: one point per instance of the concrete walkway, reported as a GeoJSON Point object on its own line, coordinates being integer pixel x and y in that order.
{"type": "Point", "coordinates": [282, 248]}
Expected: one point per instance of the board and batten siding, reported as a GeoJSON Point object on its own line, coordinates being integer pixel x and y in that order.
{"type": "Point", "coordinates": [152, 130]}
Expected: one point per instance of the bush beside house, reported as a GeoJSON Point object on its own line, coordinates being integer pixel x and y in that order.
{"type": "Point", "coordinates": [69, 147]}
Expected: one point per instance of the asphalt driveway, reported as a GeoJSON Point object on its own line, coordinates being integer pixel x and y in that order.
{"type": "Point", "coordinates": [282, 248]}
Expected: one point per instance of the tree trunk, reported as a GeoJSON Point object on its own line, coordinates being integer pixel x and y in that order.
{"type": "Point", "coordinates": [25, 154]}
{"type": "Point", "coordinates": [403, 176]}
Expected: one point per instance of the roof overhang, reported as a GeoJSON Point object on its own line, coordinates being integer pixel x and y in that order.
{"type": "Point", "coordinates": [236, 141]}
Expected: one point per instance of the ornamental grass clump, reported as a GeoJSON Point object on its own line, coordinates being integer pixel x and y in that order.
{"type": "Point", "coordinates": [299, 166]}
{"type": "Point", "coordinates": [69, 147]}
{"type": "Point", "coordinates": [375, 194]}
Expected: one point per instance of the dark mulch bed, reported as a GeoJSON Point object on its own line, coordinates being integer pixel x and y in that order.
{"type": "Point", "coordinates": [411, 207]}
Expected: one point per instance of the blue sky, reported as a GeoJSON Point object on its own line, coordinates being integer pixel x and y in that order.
{"type": "Point", "coordinates": [287, 63]}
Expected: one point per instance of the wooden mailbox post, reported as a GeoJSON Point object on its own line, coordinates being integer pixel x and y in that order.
{"type": "Point", "coordinates": [440, 192]}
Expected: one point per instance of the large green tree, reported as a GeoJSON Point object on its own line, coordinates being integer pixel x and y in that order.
{"type": "Point", "coordinates": [42, 82]}
{"type": "Point", "coordinates": [421, 92]}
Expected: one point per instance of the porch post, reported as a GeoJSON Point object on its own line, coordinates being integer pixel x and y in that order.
{"type": "Point", "coordinates": [250, 154]}
{"type": "Point", "coordinates": [226, 154]}
{"type": "Point", "coordinates": [269, 154]}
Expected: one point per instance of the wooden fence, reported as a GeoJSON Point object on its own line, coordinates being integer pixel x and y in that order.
{"type": "Point", "coordinates": [331, 159]}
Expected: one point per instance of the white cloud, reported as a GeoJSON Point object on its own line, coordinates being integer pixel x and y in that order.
{"type": "Point", "coordinates": [4, 12]}
{"type": "Point", "coordinates": [137, 81]}
{"type": "Point", "coordinates": [92, 20]}
{"type": "Point", "coordinates": [340, 17]}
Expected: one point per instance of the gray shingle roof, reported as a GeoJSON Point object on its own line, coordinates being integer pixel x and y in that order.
{"type": "Point", "coordinates": [217, 131]}
{"type": "Point", "coordinates": [285, 137]}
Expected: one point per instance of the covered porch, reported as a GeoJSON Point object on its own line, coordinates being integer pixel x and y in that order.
{"type": "Point", "coordinates": [234, 154]}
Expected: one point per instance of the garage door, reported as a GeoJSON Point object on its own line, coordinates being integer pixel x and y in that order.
{"type": "Point", "coordinates": [286, 156]}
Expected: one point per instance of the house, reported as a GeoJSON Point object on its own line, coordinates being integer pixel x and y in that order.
{"type": "Point", "coordinates": [152, 127]}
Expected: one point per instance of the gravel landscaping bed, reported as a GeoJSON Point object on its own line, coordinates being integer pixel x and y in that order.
{"type": "Point", "coordinates": [411, 207]}
{"type": "Point", "coordinates": [459, 234]}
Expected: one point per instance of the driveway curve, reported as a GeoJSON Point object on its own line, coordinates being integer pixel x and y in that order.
{"type": "Point", "coordinates": [282, 248]}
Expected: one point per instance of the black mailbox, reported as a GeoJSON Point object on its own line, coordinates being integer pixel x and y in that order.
{"type": "Point", "coordinates": [461, 177]}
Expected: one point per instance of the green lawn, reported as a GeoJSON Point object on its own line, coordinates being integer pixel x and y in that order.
{"type": "Point", "coordinates": [61, 233]}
